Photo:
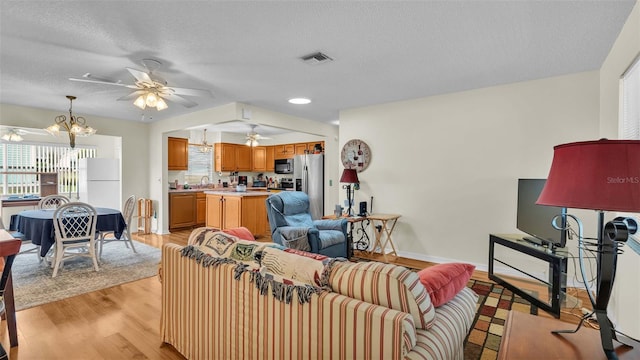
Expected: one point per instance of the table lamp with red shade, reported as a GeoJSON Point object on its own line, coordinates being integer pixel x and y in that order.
{"type": "Point", "coordinates": [349, 176]}
{"type": "Point", "coordinates": [601, 175]}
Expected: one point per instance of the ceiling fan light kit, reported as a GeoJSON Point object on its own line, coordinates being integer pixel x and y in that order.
{"type": "Point", "coordinates": [150, 99]}
{"type": "Point", "coordinates": [12, 135]}
{"type": "Point", "coordinates": [76, 126]}
{"type": "Point", "coordinates": [149, 89]}
{"type": "Point", "coordinates": [253, 137]}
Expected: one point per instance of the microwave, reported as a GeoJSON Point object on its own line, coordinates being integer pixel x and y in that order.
{"type": "Point", "coordinates": [283, 166]}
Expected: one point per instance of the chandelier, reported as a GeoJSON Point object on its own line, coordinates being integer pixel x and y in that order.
{"type": "Point", "coordinates": [205, 147]}
{"type": "Point", "coordinates": [150, 98]}
{"type": "Point", "coordinates": [76, 125]}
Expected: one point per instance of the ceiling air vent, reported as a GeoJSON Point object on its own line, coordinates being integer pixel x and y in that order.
{"type": "Point", "coordinates": [316, 58]}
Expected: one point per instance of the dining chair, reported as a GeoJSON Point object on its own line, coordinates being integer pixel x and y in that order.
{"type": "Point", "coordinates": [75, 231]}
{"type": "Point", "coordinates": [52, 201]}
{"type": "Point", "coordinates": [127, 213]}
{"type": "Point", "coordinates": [47, 202]}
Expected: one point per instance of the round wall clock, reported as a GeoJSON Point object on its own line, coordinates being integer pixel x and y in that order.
{"type": "Point", "coordinates": [356, 155]}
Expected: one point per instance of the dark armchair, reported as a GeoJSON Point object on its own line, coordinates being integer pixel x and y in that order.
{"type": "Point", "coordinates": [292, 226]}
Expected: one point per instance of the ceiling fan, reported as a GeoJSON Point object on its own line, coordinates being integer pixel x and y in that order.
{"type": "Point", "coordinates": [150, 90]}
{"type": "Point", "coordinates": [253, 137]}
{"type": "Point", "coordinates": [16, 133]}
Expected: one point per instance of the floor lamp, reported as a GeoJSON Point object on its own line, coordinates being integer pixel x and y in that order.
{"type": "Point", "coordinates": [601, 175]}
{"type": "Point", "coordinates": [349, 176]}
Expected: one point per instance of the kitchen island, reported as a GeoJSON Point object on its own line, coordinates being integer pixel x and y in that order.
{"type": "Point", "coordinates": [230, 208]}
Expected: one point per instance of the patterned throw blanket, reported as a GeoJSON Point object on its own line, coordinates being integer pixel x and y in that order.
{"type": "Point", "coordinates": [270, 266]}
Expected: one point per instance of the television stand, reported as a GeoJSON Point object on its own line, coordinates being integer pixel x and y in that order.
{"type": "Point", "coordinates": [513, 252]}
{"type": "Point", "coordinates": [534, 240]}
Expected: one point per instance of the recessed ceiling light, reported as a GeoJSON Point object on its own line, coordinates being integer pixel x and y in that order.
{"type": "Point", "coordinates": [299, 101]}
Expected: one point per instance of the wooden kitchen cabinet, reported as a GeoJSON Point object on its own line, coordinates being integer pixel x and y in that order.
{"type": "Point", "coordinates": [284, 151]}
{"type": "Point", "coordinates": [214, 211]}
{"type": "Point", "coordinates": [182, 210]}
{"type": "Point", "coordinates": [300, 148]}
{"type": "Point", "coordinates": [225, 157]}
{"type": "Point", "coordinates": [311, 146]}
{"type": "Point", "coordinates": [259, 162]}
{"type": "Point", "coordinates": [243, 157]}
{"type": "Point", "coordinates": [178, 153]}
{"type": "Point", "coordinates": [232, 157]}
{"type": "Point", "coordinates": [229, 211]}
{"type": "Point", "coordinates": [224, 212]}
{"type": "Point", "coordinates": [271, 156]}
{"type": "Point", "coordinates": [201, 208]}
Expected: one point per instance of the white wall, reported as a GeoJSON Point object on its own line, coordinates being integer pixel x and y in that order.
{"type": "Point", "coordinates": [130, 136]}
{"type": "Point", "coordinates": [624, 308]}
{"type": "Point", "coordinates": [449, 164]}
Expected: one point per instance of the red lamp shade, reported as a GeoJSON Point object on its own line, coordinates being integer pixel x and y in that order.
{"type": "Point", "coordinates": [349, 176]}
{"type": "Point", "coordinates": [598, 175]}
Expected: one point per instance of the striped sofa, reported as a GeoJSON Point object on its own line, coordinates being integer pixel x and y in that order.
{"type": "Point", "coordinates": [366, 311]}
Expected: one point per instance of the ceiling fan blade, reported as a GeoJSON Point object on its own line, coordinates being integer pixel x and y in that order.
{"type": "Point", "coordinates": [91, 76]}
{"type": "Point", "coordinates": [180, 100]}
{"type": "Point", "coordinates": [141, 76]}
{"type": "Point", "coordinates": [104, 82]}
{"type": "Point", "coordinates": [191, 92]}
{"type": "Point", "coordinates": [131, 96]}
{"type": "Point", "coordinates": [24, 131]}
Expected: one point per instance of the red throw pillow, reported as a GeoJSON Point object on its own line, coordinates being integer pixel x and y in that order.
{"type": "Point", "coordinates": [241, 232]}
{"type": "Point", "coordinates": [444, 281]}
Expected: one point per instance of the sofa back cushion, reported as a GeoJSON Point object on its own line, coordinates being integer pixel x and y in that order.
{"type": "Point", "coordinates": [297, 267]}
{"type": "Point", "coordinates": [198, 235]}
{"type": "Point", "coordinates": [387, 285]}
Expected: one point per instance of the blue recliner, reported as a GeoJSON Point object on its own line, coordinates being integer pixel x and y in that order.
{"type": "Point", "coordinates": [289, 218]}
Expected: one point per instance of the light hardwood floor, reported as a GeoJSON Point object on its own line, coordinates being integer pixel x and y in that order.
{"type": "Point", "coordinates": [121, 322]}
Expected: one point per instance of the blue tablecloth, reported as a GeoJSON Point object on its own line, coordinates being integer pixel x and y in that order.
{"type": "Point", "coordinates": [37, 225]}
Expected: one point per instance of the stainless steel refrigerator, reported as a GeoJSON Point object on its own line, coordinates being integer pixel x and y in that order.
{"type": "Point", "coordinates": [308, 172]}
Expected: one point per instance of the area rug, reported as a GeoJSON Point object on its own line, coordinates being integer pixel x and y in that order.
{"type": "Point", "coordinates": [33, 284]}
{"type": "Point", "coordinates": [483, 341]}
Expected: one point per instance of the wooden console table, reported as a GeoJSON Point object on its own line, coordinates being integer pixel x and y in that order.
{"type": "Point", "coordinates": [529, 337]}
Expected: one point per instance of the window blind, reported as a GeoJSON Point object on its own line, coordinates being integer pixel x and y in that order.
{"type": "Point", "coordinates": [21, 162]}
{"type": "Point", "coordinates": [200, 164]}
{"type": "Point", "coordinates": [631, 102]}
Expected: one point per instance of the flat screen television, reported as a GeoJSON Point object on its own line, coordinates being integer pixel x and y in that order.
{"type": "Point", "coordinates": [536, 220]}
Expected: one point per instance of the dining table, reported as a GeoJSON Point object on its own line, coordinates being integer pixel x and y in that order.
{"type": "Point", "coordinates": [37, 225]}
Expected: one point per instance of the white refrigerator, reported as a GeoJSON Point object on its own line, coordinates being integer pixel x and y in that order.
{"type": "Point", "coordinates": [308, 172]}
{"type": "Point", "coordinates": [99, 182]}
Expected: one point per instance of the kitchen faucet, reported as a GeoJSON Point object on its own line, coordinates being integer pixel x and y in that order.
{"type": "Point", "coordinates": [202, 182]}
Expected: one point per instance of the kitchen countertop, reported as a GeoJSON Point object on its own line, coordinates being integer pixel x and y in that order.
{"type": "Point", "coordinates": [227, 189]}
{"type": "Point", "coordinates": [238, 193]}
{"type": "Point", "coordinates": [16, 201]}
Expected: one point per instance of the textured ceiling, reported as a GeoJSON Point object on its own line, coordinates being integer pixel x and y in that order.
{"type": "Point", "coordinates": [250, 51]}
